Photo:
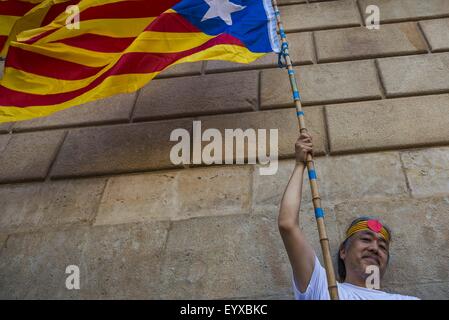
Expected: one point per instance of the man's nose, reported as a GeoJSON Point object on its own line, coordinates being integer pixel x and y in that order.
{"type": "Point", "coordinates": [374, 247]}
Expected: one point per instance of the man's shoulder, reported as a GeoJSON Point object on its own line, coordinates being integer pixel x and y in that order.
{"type": "Point", "coordinates": [351, 292]}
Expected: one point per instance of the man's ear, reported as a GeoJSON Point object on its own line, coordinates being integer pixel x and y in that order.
{"type": "Point", "coordinates": [342, 251]}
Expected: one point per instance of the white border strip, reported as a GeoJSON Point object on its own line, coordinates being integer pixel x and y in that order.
{"type": "Point", "coordinates": [272, 25]}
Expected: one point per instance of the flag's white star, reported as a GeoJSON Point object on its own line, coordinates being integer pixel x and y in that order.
{"type": "Point", "coordinates": [222, 9]}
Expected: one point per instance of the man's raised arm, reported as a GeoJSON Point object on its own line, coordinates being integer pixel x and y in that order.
{"type": "Point", "coordinates": [300, 252]}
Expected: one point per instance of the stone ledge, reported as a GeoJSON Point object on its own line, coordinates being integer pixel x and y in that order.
{"type": "Point", "coordinates": [388, 124]}
{"type": "Point", "coordinates": [28, 156]}
{"type": "Point", "coordinates": [319, 84]}
{"type": "Point", "coordinates": [436, 32]}
{"type": "Point", "coordinates": [361, 43]}
{"type": "Point", "coordinates": [117, 149]}
{"type": "Point", "coordinates": [415, 75]}
{"type": "Point", "coordinates": [184, 97]}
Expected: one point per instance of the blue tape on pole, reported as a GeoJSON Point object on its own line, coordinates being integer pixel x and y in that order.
{"type": "Point", "coordinates": [282, 32]}
{"type": "Point", "coordinates": [277, 13]}
{"type": "Point", "coordinates": [296, 95]}
{"type": "Point", "coordinates": [300, 113]}
{"type": "Point", "coordinates": [291, 72]}
{"type": "Point", "coordinates": [312, 174]}
{"type": "Point", "coordinates": [319, 213]}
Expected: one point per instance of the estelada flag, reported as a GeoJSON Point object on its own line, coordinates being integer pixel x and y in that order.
{"type": "Point", "coordinates": [121, 45]}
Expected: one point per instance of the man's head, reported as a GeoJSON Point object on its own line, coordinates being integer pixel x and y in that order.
{"type": "Point", "coordinates": [367, 243]}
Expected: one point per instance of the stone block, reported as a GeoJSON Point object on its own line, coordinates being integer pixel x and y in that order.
{"type": "Point", "coordinates": [117, 149]}
{"type": "Point", "coordinates": [402, 10]}
{"type": "Point", "coordinates": [304, 17]}
{"type": "Point", "coordinates": [427, 171]}
{"type": "Point", "coordinates": [181, 97]}
{"type": "Point", "coordinates": [28, 156]}
{"type": "Point", "coordinates": [115, 262]}
{"type": "Point", "coordinates": [37, 206]}
{"type": "Point", "coordinates": [415, 75]}
{"type": "Point", "coordinates": [327, 83]}
{"type": "Point", "coordinates": [361, 43]}
{"type": "Point", "coordinates": [436, 32]}
{"type": "Point", "coordinates": [388, 124]}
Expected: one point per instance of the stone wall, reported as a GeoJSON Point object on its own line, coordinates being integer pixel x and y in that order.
{"type": "Point", "coordinates": [93, 186]}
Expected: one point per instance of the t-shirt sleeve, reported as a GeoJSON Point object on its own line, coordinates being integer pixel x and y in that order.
{"type": "Point", "coordinates": [317, 288]}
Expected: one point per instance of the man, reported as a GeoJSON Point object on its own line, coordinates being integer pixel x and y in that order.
{"type": "Point", "coordinates": [366, 245]}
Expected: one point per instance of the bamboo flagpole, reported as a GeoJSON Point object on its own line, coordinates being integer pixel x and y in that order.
{"type": "Point", "coordinates": [319, 212]}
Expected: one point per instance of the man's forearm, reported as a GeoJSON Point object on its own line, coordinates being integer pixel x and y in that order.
{"type": "Point", "coordinates": [291, 200]}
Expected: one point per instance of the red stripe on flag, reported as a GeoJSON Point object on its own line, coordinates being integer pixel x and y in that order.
{"type": "Point", "coordinates": [56, 10]}
{"type": "Point", "coordinates": [130, 63]}
{"type": "Point", "coordinates": [15, 8]}
{"type": "Point", "coordinates": [42, 65]}
{"type": "Point", "coordinates": [128, 9]}
{"type": "Point", "coordinates": [167, 22]}
{"type": "Point", "coordinates": [98, 43]}
{"type": "Point", "coordinates": [171, 22]}
{"type": "Point", "coordinates": [42, 35]}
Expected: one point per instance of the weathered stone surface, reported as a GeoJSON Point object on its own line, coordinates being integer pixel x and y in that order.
{"type": "Point", "coordinates": [115, 262]}
{"type": "Point", "coordinates": [117, 149]}
{"type": "Point", "coordinates": [198, 95]}
{"type": "Point", "coordinates": [388, 124]}
{"type": "Point", "coordinates": [436, 32]}
{"type": "Point", "coordinates": [214, 191]}
{"type": "Point", "coordinates": [419, 237]}
{"type": "Point", "coordinates": [310, 16]}
{"type": "Point", "coordinates": [400, 10]}
{"type": "Point", "coordinates": [111, 110]}
{"type": "Point", "coordinates": [300, 50]}
{"type": "Point", "coordinates": [327, 83]}
{"type": "Point", "coordinates": [414, 75]}
{"type": "Point", "coordinates": [284, 120]}
{"type": "Point", "coordinates": [2, 66]}
{"type": "Point", "coordinates": [427, 171]}
{"type": "Point", "coordinates": [176, 195]}
{"type": "Point", "coordinates": [339, 179]}
{"type": "Point", "coordinates": [34, 206]}
{"type": "Point", "coordinates": [183, 69]}
{"type": "Point", "coordinates": [139, 198]}
{"type": "Point", "coordinates": [28, 156]}
{"type": "Point", "coordinates": [360, 43]}
{"type": "Point", "coordinates": [218, 257]}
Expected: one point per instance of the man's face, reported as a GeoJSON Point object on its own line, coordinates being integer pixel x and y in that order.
{"type": "Point", "coordinates": [365, 249]}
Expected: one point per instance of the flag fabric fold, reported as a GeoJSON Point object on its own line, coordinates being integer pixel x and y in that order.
{"type": "Point", "coordinates": [123, 44]}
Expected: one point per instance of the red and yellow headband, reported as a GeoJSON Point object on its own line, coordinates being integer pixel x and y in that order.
{"type": "Point", "coordinates": [372, 225]}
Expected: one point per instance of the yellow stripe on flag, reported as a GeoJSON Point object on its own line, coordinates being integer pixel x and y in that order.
{"type": "Point", "coordinates": [127, 83]}
{"type": "Point", "coordinates": [6, 24]}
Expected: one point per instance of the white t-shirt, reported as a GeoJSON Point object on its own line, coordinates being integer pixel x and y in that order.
{"type": "Point", "coordinates": [318, 289]}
